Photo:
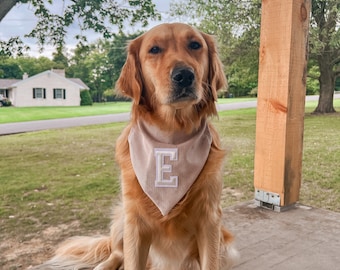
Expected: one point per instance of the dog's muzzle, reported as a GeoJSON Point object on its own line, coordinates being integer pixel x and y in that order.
{"type": "Point", "coordinates": [183, 79]}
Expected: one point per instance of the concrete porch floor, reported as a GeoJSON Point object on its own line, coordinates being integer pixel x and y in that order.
{"type": "Point", "coordinates": [297, 239]}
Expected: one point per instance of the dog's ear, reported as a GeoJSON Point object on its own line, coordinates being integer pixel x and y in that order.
{"type": "Point", "coordinates": [216, 77]}
{"type": "Point", "coordinates": [130, 82]}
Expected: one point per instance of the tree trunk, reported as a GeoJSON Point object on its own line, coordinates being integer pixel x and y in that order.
{"type": "Point", "coordinates": [327, 85]}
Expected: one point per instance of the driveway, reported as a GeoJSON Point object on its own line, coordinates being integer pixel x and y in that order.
{"type": "Point", "coordinates": [13, 128]}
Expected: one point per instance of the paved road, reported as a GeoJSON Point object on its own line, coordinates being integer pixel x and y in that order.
{"type": "Point", "coordinates": [13, 128]}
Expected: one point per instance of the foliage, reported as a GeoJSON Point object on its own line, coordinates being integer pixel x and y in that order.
{"type": "Point", "coordinates": [237, 25]}
{"type": "Point", "coordinates": [60, 60]}
{"type": "Point", "coordinates": [102, 16]}
{"type": "Point", "coordinates": [111, 95]}
{"type": "Point", "coordinates": [14, 46]}
{"type": "Point", "coordinates": [5, 103]}
{"type": "Point", "coordinates": [85, 98]}
{"type": "Point", "coordinates": [33, 66]}
{"type": "Point", "coordinates": [14, 68]}
{"type": "Point", "coordinates": [99, 64]}
{"type": "Point", "coordinates": [313, 84]}
{"type": "Point", "coordinates": [325, 49]}
{"type": "Point", "coordinates": [9, 69]}
{"type": "Point", "coordinates": [253, 92]}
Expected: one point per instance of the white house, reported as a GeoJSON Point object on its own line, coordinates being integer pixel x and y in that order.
{"type": "Point", "coordinates": [49, 88]}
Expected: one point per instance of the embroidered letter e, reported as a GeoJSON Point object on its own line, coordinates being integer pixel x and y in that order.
{"type": "Point", "coordinates": [161, 167]}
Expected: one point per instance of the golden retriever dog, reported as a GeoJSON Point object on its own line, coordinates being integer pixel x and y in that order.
{"type": "Point", "coordinates": [171, 162]}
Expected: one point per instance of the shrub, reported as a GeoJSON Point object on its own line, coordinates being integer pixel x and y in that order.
{"type": "Point", "coordinates": [5, 103]}
{"type": "Point", "coordinates": [85, 98]}
{"type": "Point", "coordinates": [253, 92]}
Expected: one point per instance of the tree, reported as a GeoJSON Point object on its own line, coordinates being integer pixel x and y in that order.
{"type": "Point", "coordinates": [10, 70]}
{"type": "Point", "coordinates": [236, 24]}
{"type": "Point", "coordinates": [32, 65]}
{"type": "Point", "coordinates": [85, 98]}
{"type": "Point", "coordinates": [116, 56]}
{"type": "Point", "coordinates": [325, 49]}
{"type": "Point", "coordinates": [117, 52]}
{"type": "Point", "coordinates": [59, 58]}
{"type": "Point", "coordinates": [13, 46]}
{"type": "Point", "coordinates": [99, 15]}
{"type": "Point", "coordinates": [14, 68]}
{"type": "Point", "coordinates": [99, 64]}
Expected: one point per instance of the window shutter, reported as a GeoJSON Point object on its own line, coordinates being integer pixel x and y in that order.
{"type": "Point", "coordinates": [64, 93]}
{"type": "Point", "coordinates": [45, 93]}
{"type": "Point", "coordinates": [33, 92]}
{"type": "Point", "coordinates": [54, 93]}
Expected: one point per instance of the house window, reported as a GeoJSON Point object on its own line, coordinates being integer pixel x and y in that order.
{"type": "Point", "coordinates": [3, 93]}
{"type": "Point", "coordinates": [59, 93]}
{"type": "Point", "coordinates": [39, 93]}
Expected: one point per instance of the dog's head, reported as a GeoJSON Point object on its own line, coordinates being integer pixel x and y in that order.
{"type": "Point", "coordinates": [172, 73]}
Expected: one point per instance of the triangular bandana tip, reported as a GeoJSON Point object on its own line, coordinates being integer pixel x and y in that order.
{"type": "Point", "coordinates": [167, 164]}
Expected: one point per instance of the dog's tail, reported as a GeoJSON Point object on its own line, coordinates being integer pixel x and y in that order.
{"type": "Point", "coordinates": [82, 252]}
{"type": "Point", "coordinates": [79, 253]}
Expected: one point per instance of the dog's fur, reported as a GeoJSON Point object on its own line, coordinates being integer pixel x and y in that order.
{"type": "Point", "coordinates": [191, 236]}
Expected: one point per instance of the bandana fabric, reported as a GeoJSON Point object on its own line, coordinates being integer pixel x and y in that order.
{"type": "Point", "coordinates": [167, 164]}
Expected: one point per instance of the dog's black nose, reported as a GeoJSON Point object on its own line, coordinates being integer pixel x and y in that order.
{"type": "Point", "coordinates": [183, 77]}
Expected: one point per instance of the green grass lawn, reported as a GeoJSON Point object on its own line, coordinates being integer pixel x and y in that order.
{"type": "Point", "coordinates": [51, 179]}
{"type": "Point", "coordinates": [44, 174]}
{"type": "Point", "coordinates": [13, 114]}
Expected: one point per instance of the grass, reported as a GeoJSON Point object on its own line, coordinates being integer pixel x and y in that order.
{"type": "Point", "coordinates": [234, 100]}
{"type": "Point", "coordinates": [21, 114]}
{"type": "Point", "coordinates": [13, 114]}
{"type": "Point", "coordinates": [52, 178]}
{"type": "Point", "coordinates": [45, 173]}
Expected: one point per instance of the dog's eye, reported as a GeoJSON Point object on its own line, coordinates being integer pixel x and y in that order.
{"type": "Point", "coordinates": [194, 45]}
{"type": "Point", "coordinates": [155, 50]}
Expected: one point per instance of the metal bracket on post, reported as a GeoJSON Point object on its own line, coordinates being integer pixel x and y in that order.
{"type": "Point", "coordinates": [268, 200]}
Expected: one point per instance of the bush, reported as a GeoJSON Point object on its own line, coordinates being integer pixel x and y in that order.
{"type": "Point", "coordinates": [253, 92]}
{"type": "Point", "coordinates": [85, 98]}
{"type": "Point", "coordinates": [5, 103]}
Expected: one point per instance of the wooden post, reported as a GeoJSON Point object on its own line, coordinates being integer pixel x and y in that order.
{"type": "Point", "coordinates": [281, 102]}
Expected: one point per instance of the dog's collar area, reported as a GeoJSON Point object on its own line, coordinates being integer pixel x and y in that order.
{"type": "Point", "coordinates": [168, 163]}
{"type": "Point", "coordinates": [173, 137]}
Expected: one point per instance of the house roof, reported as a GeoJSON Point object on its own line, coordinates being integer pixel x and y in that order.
{"type": "Point", "coordinates": [8, 83]}
{"type": "Point", "coordinates": [78, 81]}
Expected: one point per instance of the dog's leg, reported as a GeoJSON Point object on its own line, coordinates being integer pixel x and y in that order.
{"type": "Point", "coordinates": [208, 240]}
{"type": "Point", "coordinates": [208, 234]}
{"type": "Point", "coordinates": [136, 244]}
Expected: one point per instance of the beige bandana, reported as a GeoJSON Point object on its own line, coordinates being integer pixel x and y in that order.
{"type": "Point", "coordinates": [167, 164]}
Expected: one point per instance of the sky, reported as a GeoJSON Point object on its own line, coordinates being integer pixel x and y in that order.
{"type": "Point", "coordinates": [20, 20]}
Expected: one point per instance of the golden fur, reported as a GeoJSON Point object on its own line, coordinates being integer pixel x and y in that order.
{"type": "Point", "coordinates": [191, 236]}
